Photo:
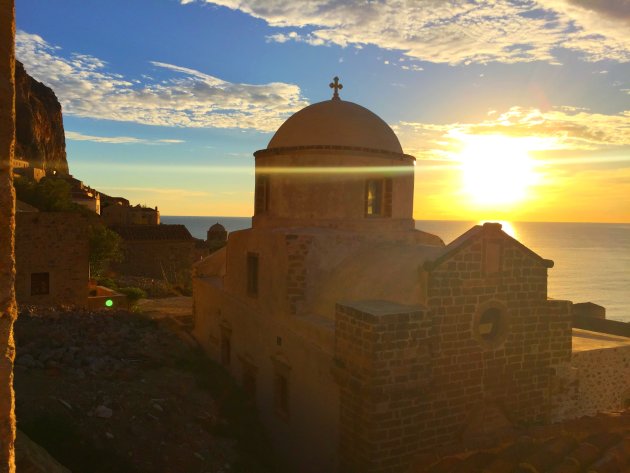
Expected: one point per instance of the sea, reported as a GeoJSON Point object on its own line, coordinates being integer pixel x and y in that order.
{"type": "Point", "coordinates": [592, 260]}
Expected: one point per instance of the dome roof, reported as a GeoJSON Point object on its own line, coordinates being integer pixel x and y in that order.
{"type": "Point", "coordinates": [217, 227]}
{"type": "Point", "coordinates": [336, 123]}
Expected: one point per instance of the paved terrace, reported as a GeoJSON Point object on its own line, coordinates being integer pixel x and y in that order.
{"type": "Point", "coordinates": [584, 340]}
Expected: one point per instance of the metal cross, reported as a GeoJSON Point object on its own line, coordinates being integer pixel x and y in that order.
{"type": "Point", "coordinates": [336, 86]}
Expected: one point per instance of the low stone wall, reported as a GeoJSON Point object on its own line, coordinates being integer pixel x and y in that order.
{"type": "Point", "coordinates": [598, 380]}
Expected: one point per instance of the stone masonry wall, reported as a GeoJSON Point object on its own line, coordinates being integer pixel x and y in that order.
{"type": "Point", "coordinates": [8, 311]}
{"type": "Point", "coordinates": [159, 259]}
{"type": "Point", "coordinates": [382, 365]}
{"type": "Point", "coordinates": [55, 243]}
{"type": "Point", "coordinates": [599, 380]}
{"type": "Point", "coordinates": [297, 249]}
{"type": "Point", "coordinates": [513, 375]}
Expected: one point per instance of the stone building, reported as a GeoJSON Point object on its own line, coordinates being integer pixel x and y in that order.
{"type": "Point", "coordinates": [216, 237]}
{"type": "Point", "coordinates": [121, 213]}
{"type": "Point", "coordinates": [156, 251]}
{"type": "Point", "coordinates": [52, 258]}
{"type": "Point", "coordinates": [361, 339]}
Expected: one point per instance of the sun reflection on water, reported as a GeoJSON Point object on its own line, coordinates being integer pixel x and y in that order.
{"type": "Point", "coordinates": [506, 226]}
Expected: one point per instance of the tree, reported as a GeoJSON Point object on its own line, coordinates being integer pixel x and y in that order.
{"type": "Point", "coordinates": [105, 247]}
{"type": "Point", "coordinates": [48, 195]}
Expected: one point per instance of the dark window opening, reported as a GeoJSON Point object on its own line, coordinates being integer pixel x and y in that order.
{"type": "Point", "coordinates": [252, 274]}
{"type": "Point", "coordinates": [490, 324]}
{"type": "Point", "coordinates": [261, 197]}
{"type": "Point", "coordinates": [40, 284]}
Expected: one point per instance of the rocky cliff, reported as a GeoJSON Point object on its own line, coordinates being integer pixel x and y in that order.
{"type": "Point", "coordinates": [39, 133]}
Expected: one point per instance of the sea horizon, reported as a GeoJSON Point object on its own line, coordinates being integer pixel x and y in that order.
{"type": "Point", "coordinates": [591, 260]}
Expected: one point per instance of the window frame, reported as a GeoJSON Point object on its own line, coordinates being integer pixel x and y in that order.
{"type": "Point", "coordinates": [383, 198]}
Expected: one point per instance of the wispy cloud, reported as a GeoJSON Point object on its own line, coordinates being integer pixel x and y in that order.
{"type": "Point", "coordinates": [454, 32]}
{"type": "Point", "coordinates": [117, 140]}
{"type": "Point", "coordinates": [86, 88]}
{"type": "Point", "coordinates": [561, 128]}
{"type": "Point", "coordinates": [155, 190]}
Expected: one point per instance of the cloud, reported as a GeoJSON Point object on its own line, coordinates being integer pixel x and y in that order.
{"type": "Point", "coordinates": [156, 190]}
{"type": "Point", "coordinates": [190, 98]}
{"type": "Point", "coordinates": [76, 136]}
{"type": "Point", "coordinates": [561, 128]}
{"type": "Point", "coordinates": [454, 32]}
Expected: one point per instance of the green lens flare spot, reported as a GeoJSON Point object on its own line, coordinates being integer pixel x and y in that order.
{"type": "Point", "coordinates": [109, 303]}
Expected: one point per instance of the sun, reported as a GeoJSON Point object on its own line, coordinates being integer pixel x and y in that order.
{"type": "Point", "coordinates": [496, 170]}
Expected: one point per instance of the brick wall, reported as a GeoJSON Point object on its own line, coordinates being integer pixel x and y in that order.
{"type": "Point", "coordinates": [513, 374]}
{"type": "Point", "coordinates": [382, 365]}
{"type": "Point", "coordinates": [413, 380]}
{"type": "Point", "coordinates": [55, 243]}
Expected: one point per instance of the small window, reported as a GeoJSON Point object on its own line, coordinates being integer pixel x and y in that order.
{"type": "Point", "coordinates": [40, 284]}
{"type": "Point", "coordinates": [252, 274]}
{"type": "Point", "coordinates": [281, 394]}
{"type": "Point", "coordinates": [261, 198]}
{"type": "Point", "coordinates": [491, 325]}
{"type": "Point", "coordinates": [378, 198]}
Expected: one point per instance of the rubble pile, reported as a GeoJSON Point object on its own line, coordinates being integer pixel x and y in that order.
{"type": "Point", "coordinates": [117, 392]}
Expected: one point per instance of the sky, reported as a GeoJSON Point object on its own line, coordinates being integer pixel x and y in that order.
{"type": "Point", "coordinates": [515, 110]}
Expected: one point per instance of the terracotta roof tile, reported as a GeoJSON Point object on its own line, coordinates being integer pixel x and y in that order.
{"type": "Point", "coordinates": [599, 444]}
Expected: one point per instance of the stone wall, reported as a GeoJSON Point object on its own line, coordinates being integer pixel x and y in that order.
{"type": "Point", "coordinates": [170, 259]}
{"type": "Point", "coordinates": [8, 310]}
{"type": "Point", "coordinates": [53, 243]}
{"type": "Point", "coordinates": [382, 357]}
{"type": "Point", "coordinates": [598, 380]}
{"type": "Point", "coordinates": [509, 370]}
{"type": "Point", "coordinates": [297, 249]}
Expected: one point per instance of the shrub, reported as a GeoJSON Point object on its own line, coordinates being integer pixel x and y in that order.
{"type": "Point", "coordinates": [134, 294]}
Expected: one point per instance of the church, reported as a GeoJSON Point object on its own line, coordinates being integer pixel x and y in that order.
{"type": "Point", "coordinates": [361, 339]}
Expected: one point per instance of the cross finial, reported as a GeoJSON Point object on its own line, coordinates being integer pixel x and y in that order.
{"type": "Point", "coordinates": [336, 86]}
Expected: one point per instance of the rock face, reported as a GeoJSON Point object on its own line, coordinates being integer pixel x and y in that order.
{"type": "Point", "coordinates": [8, 310]}
{"type": "Point", "coordinates": [40, 136]}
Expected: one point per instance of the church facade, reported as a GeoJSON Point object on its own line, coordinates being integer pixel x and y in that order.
{"type": "Point", "coordinates": [363, 340]}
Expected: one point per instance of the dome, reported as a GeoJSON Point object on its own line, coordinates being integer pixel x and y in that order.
{"type": "Point", "coordinates": [217, 227]}
{"type": "Point", "coordinates": [336, 123]}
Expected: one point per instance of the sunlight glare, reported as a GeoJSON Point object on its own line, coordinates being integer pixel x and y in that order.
{"type": "Point", "coordinates": [496, 170]}
{"type": "Point", "coordinates": [506, 226]}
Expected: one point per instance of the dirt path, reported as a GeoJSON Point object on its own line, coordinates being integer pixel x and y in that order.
{"type": "Point", "coordinates": [180, 306]}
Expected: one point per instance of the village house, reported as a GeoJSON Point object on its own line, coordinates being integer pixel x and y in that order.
{"type": "Point", "coordinates": [52, 258]}
{"type": "Point", "coordinates": [119, 212]}
{"type": "Point", "coordinates": [362, 340]}
{"type": "Point", "coordinates": [156, 251]}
